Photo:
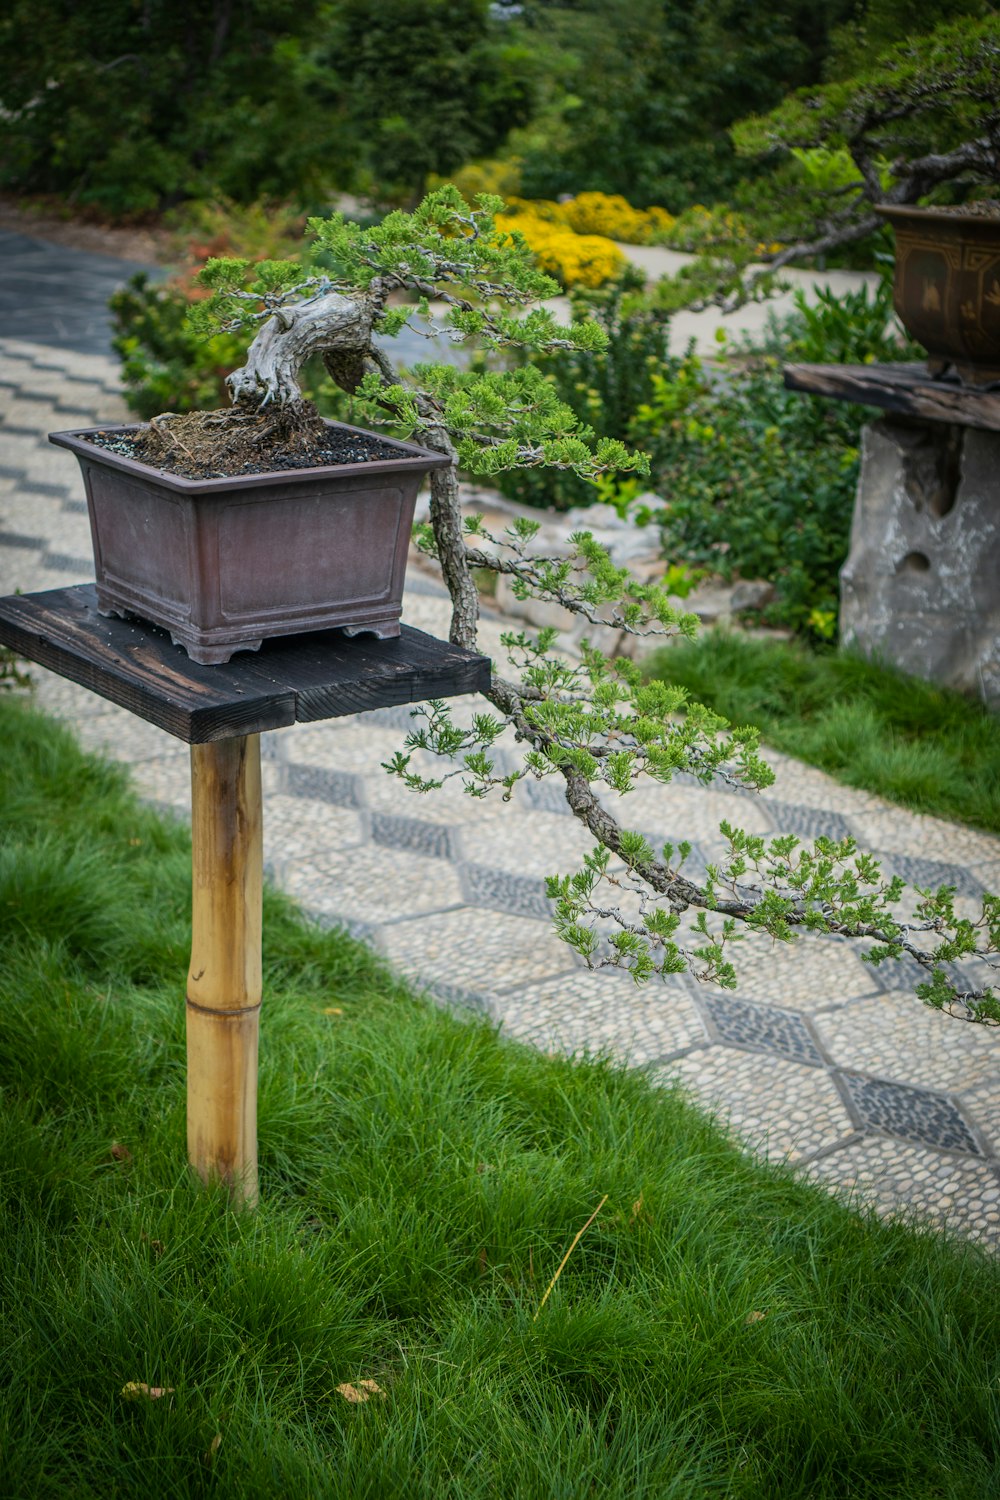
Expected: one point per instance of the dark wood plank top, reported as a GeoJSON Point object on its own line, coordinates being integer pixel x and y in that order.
{"type": "Point", "coordinates": [907, 389]}
{"type": "Point", "coordinates": [294, 679]}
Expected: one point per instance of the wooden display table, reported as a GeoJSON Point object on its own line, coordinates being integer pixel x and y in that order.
{"type": "Point", "coordinates": [907, 390]}
{"type": "Point", "coordinates": [220, 712]}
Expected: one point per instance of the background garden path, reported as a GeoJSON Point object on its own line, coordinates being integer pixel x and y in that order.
{"type": "Point", "coordinates": [817, 1058]}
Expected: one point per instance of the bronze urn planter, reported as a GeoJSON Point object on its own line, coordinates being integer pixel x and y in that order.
{"type": "Point", "coordinates": [224, 564]}
{"type": "Point", "coordinates": [946, 288]}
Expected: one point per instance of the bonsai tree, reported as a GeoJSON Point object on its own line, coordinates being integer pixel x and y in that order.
{"type": "Point", "coordinates": [591, 722]}
{"type": "Point", "coordinates": [921, 121]}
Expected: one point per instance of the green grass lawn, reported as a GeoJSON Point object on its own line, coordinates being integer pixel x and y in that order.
{"type": "Point", "coordinates": [869, 726]}
{"type": "Point", "coordinates": [720, 1330]}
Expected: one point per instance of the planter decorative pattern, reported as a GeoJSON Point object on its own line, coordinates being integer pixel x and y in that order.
{"type": "Point", "coordinates": [947, 288]}
{"type": "Point", "coordinates": [225, 564]}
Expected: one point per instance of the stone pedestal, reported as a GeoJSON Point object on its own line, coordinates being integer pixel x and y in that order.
{"type": "Point", "coordinates": [921, 585]}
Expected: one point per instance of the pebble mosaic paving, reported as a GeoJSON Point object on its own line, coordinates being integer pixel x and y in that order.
{"type": "Point", "coordinates": [818, 1058]}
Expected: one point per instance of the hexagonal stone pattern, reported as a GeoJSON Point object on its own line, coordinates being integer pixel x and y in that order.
{"type": "Point", "coordinates": [779, 1108]}
{"type": "Point", "coordinates": [521, 895]}
{"type": "Point", "coordinates": [891, 1037]}
{"type": "Point", "coordinates": [956, 1192]}
{"type": "Point", "coordinates": [298, 828]}
{"type": "Point", "coordinates": [483, 951]}
{"type": "Point", "coordinates": [321, 784]}
{"type": "Point", "coordinates": [761, 1028]}
{"type": "Point", "coordinates": [413, 834]}
{"type": "Point", "coordinates": [929, 874]}
{"type": "Point", "coordinates": [604, 1013]}
{"type": "Point", "coordinates": [372, 884]}
{"type": "Point", "coordinates": [913, 1114]}
{"type": "Point", "coordinates": [808, 974]}
{"type": "Point", "coordinates": [546, 795]}
{"type": "Point", "coordinates": [533, 844]}
{"type": "Point", "coordinates": [808, 822]}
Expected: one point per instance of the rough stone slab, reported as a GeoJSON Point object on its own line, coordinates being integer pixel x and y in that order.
{"type": "Point", "coordinates": [921, 584]}
{"type": "Point", "coordinates": [295, 679]}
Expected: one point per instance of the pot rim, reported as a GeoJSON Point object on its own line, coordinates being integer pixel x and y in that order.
{"type": "Point", "coordinates": [413, 459]}
{"type": "Point", "coordinates": [976, 223]}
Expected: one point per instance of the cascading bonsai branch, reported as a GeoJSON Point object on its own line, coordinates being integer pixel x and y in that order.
{"type": "Point", "coordinates": [591, 721]}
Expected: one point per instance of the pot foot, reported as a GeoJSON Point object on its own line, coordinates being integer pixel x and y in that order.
{"type": "Point", "coordinates": [214, 656]}
{"type": "Point", "coordinates": [381, 632]}
{"type": "Point", "coordinates": [108, 611]}
{"type": "Point", "coordinates": [978, 377]}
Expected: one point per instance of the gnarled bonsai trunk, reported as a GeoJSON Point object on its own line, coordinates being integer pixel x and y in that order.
{"type": "Point", "coordinates": [269, 417]}
{"type": "Point", "coordinates": [326, 323]}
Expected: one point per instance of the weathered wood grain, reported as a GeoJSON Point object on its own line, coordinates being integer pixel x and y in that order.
{"type": "Point", "coordinates": [907, 389]}
{"type": "Point", "coordinates": [295, 679]}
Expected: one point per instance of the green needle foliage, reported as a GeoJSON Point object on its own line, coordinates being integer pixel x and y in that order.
{"type": "Point", "coordinates": [720, 1328]}
{"type": "Point", "coordinates": [483, 284]}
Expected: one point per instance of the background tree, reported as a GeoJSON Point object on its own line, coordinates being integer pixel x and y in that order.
{"type": "Point", "coordinates": [430, 84]}
{"type": "Point", "coordinates": [641, 92]}
{"type": "Point", "coordinates": [132, 107]}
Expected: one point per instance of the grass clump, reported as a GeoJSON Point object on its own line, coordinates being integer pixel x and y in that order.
{"type": "Point", "coordinates": [870, 726]}
{"type": "Point", "coordinates": [720, 1329]}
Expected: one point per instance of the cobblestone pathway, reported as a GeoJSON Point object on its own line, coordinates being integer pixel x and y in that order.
{"type": "Point", "coordinates": [817, 1058]}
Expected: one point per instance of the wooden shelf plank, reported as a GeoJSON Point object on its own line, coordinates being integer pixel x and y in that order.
{"type": "Point", "coordinates": [907, 389]}
{"type": "Point", "coordinates": [303, 678]}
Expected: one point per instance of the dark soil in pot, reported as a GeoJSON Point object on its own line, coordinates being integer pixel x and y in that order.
{"type": "Point", "coordinates": [237, 441]}
{"type": "Point", "coordinates": [340, 450]}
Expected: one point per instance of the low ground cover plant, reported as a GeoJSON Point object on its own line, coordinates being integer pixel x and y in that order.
{"type": "Point", "coordinates": [868, 725]}
{"type": "Point", "coordinates": [377, 1327]}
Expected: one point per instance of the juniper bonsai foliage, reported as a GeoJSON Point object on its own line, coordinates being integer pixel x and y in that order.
{"type": "Point", "coordinates": [592, 722]}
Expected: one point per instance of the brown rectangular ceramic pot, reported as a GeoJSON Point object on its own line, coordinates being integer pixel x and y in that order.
{"type": "Point", "coordinates": [224, 564]}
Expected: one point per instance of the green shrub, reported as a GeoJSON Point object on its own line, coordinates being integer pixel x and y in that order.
{"type": "Point", "coordinates": [166, 367]}
{"type": "Point", "coordinates": [841, 328]}
{"type": "Point", "coordinates": [760, 481]}
{"type": "Point", "coordinates": [605, 389]}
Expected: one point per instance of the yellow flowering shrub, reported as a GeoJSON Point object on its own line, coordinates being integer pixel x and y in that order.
{"type": "Point", "coordinates": [614, 216]}
{"type": "Point", "coordinates": [587, 260]}
{"type": "Point", "coordinates": [538, 208]}
{"type": "Point", "coordinates": [606, 214]}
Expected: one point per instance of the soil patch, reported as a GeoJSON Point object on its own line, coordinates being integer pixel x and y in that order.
{"type": "Point", "coordinates": [213, 445]}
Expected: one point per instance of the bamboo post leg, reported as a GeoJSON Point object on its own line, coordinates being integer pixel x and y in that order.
{"type": "Point", "coordinates": [224, 981]}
